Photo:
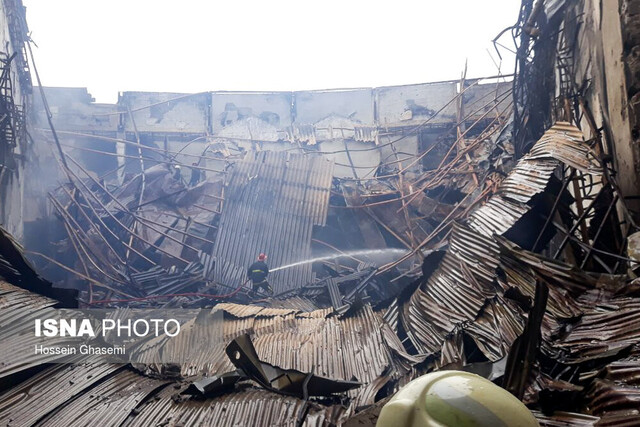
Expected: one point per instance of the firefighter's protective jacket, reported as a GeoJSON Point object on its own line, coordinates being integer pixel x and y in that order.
{"type": "Point", "coordinates": [258, 271]}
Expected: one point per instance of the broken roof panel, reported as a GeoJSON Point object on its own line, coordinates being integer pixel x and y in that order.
{"type": "Point", "coordinates": [527, 179]}
{"type": "Point", "coordinates": [18, 310]}
{"type": "Point", "coordinates": [458, 289]}
{"type": "Point", "coordinates": [246, 408]}
{"type": "Point", "coordinates": [107, 404]}
{"type": "Point", "coordinates": [564, 142]}
{"type": "Point", "coordinates": [49, 389]}
{"type": "Point", "coordinates": [320, 342]}
{"type": "Point", "coordinates": [273, 200]}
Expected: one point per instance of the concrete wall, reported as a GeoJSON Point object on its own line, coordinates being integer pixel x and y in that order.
{"type": "Point", "coordinates": [165, 112]}
{"type": "Point", "coordinates": [328, 121]}
{"type": "Point", "coordinates": [413, 104]}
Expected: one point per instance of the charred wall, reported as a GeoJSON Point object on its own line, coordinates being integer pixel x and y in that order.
{"type": "Point", "coordinates": [15, 89]}
{"type": "Point", "coordinates": [630, 18]}
{"type": "Point", "coordinates": [596, 50]}
{"type": "Point", "coordinates": [353, 127]}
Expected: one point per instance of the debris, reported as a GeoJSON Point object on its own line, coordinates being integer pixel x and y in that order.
{"type": "Point", "coordinates": [489, 228]}
{"type": "Point", "coordinates": [286, 381]}
{"type": "Point", "coordinates": [211, 386]}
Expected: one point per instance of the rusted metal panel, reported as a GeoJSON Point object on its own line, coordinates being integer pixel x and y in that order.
{"type": "Point", "coordinates": [524, 279]}
{"type": "Point", "coordinates": [527, 179]}
{"type": "Point", "coordinates": [627, 371]}
{"type": "Point", "coordinates": [601, 331]}
{"type": "Point", "coordinates": [497, 215]}
{"type": "Point", "coordinates": [17, 301]}
{"type": "Point", "coordinates": [455, 292]}
{"type": "Point", "coordinates": [338, 348]}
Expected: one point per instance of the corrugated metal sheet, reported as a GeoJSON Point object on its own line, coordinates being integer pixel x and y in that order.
{"type": "Point", "coordinates": [455, 292]}
{"type": "Point", "coordinates": [239, 310]}
{"type": "Point", "coordinates": [564, 419]}
{"type": "Point", "coordinates": [523, 278]}
{"type": "Point", "coordinates": [18, 309]}
{"type": "Point", "coordinates": [627, 371]}
{"type": "Point", "coordinates": [324, 417]}
{"type": "Point", "coordinates": [497, 215]}
{"type": "Point", "coordinates": [246, 408]}
{"type": "Point", "coordinates": [461, 286]}
{"type": "Point", "coordinates": [462, 299]}
{"type": "Point", "coordinates": [17, 351]}
{"type": "Point", "coordinates": [365, 134]}
{"type": "Point", "coordinates": [528, 178]}
{"type": "Point", "coordinates": [562, 143]}
{"type": "Point", "coordinates": [44, 392]}
{"type": "Point", "coordinates": [568, 277]}
{"type": "Point", "coordinates": [606, 396]}
{"type": "Point", "coordinates": [107, 404]}
{"type": "Point", "coordinates": [272, 203]}
{"type": "Point", "coordinates": [602, 330]}
{"type": "Point", "coordinates": [496, 342]}
{"type": "Point", "coordinates": [17, 301]}
{"type": "Point", "coordinates": [391, 314]}
{"type": "Point", "coordinates": [296, 303]}
{"type": "Point", "coordinates": [333, 347]}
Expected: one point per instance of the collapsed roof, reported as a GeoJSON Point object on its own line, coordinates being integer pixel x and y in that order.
{"type": "Point", "coordinates": [512, 258]}
{"type": "Point", "coordinates": [466, 312]}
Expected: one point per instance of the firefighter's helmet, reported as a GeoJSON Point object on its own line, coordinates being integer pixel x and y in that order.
{"type": "Point", "coordinates": [454, 398]}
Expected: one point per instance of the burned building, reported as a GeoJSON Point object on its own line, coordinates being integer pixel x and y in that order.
{"type": "Point", "coordinates": [15, 99]}
{"type": "Point", "coordinates": [486, 225]}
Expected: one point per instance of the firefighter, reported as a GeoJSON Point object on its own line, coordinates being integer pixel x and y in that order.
{"type": "Point", "coordinates": [195, 175]}
{"type": "Point", "coordinates": [177, 172]}
{"type": "Point", "coordinates": [258, 272]}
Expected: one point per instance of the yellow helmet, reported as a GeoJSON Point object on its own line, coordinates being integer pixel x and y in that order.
{"type": "Point", "coordinates": [454, 398]}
